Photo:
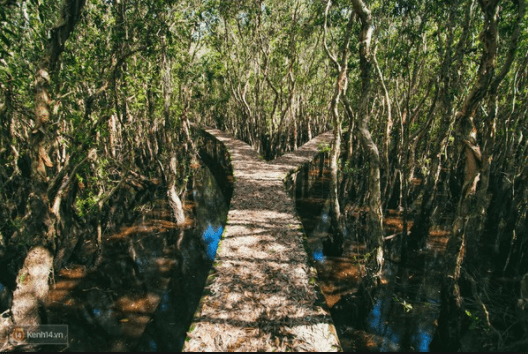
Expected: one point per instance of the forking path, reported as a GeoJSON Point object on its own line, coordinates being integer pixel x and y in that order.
{"type": "Point", "coordinates": [261, 293]}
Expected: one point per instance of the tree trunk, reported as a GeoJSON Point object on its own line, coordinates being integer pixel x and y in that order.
{"type": "Point", "coordinates": [176, 204]}
{"type": "Point", "coordinates": [32, 287]}
{"type": "Point", "coordinates": [340, 87]}
{"type": "Point", "coordinates": [167, 93]}
{"type": "Point", "coordinates": [388, 129]}
{"type": "Point", "coordinates": [172, 194]}
{"type": "Point", "coordinates": [2, 245]}
{"type": "Point", "coordinates": [375, 215]}
{"type": "Point", "coordinates": [33, 277]}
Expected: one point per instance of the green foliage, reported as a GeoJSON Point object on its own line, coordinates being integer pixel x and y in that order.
{"type": "Point", "coordinates": [323, 148]}
{"type": "Point", "coordinates": [408, 307]}
{"type": "Point", "coordinates": [86, 206]}
{"type": "Point", "coordinates": [475, 320]}
{"type": "Point", "coordinates": [349, 169]}
{"type": "Point", "coordinates": [22, 278]}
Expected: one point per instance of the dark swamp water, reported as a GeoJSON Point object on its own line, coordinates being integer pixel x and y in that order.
{"type": "Point", "coordinates": [143, 294]}
{"type": "Point", "coordinates": [401, 314]}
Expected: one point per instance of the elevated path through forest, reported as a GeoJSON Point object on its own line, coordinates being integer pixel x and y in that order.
{"type": "Point", "coordinates": [261, 294]}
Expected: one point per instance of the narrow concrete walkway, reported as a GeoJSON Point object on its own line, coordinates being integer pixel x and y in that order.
{"type": "Point", "coordinates": [261, 294]}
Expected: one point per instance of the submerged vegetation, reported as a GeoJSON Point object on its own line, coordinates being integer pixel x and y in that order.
{"type": "Point", "coordinates": [427, 100]}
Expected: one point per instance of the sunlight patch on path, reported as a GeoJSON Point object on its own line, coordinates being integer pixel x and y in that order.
{"type": "Point", "coordinates": [260, 295]}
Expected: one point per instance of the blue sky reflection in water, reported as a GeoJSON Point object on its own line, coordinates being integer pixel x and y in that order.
{"type": "Point", "coordinates": [153, 346]}
{"type": "Point", "coordinates": [319, 256]}
{"type": "Point", "coordinates": [211, 212]}
{"type": "Point", "coordinates": [405, 323]}
{"type": "Point", "coordinates": [164, 306]}
{"type": "Point", "coordinates": [379, 324]}
{"type": "Point", "coordinates": [421, 339]}
{"type": "Point", "coordinates": [211, 238]}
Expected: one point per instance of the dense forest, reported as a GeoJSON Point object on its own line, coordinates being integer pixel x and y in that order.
{"type": "Point", "coordinates": [427, 100]}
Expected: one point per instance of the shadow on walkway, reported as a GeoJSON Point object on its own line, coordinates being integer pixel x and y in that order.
{"type": "Point", "coordinates": [261, 293]}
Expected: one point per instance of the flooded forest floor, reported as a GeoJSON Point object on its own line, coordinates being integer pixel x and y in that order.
{"type": "Point", "coordinates": [401, 314]}
{"type": "Point", "coordinates": [144, 291]}
{"type": "Point", "coordinates": [151, 274]}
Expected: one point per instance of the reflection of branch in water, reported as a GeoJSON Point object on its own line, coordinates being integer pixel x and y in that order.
{"type": "Point", "coordinates": [482, 306]}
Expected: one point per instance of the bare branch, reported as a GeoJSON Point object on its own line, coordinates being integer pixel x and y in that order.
{"type": "Point", "coordinates": [332, 57]}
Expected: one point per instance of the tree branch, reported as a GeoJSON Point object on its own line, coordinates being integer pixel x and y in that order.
{"type": "Point", "coordinates": [332, 57]}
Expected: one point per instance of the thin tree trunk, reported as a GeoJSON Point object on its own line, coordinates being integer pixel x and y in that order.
{"type": "Point", "coordinates": [167, 93]}
{"type": "Point", "coordinates": [340, 87]}
{"type": "Point", "coordinates": [365, 62]}
{"type": "Point", "coordinates": [389, 125]}
{"type": "Point", "coordinates": [176, 204]}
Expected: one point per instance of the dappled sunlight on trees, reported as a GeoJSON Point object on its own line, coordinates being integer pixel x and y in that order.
{"type": "Point", "coordinates": [103, 106]}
